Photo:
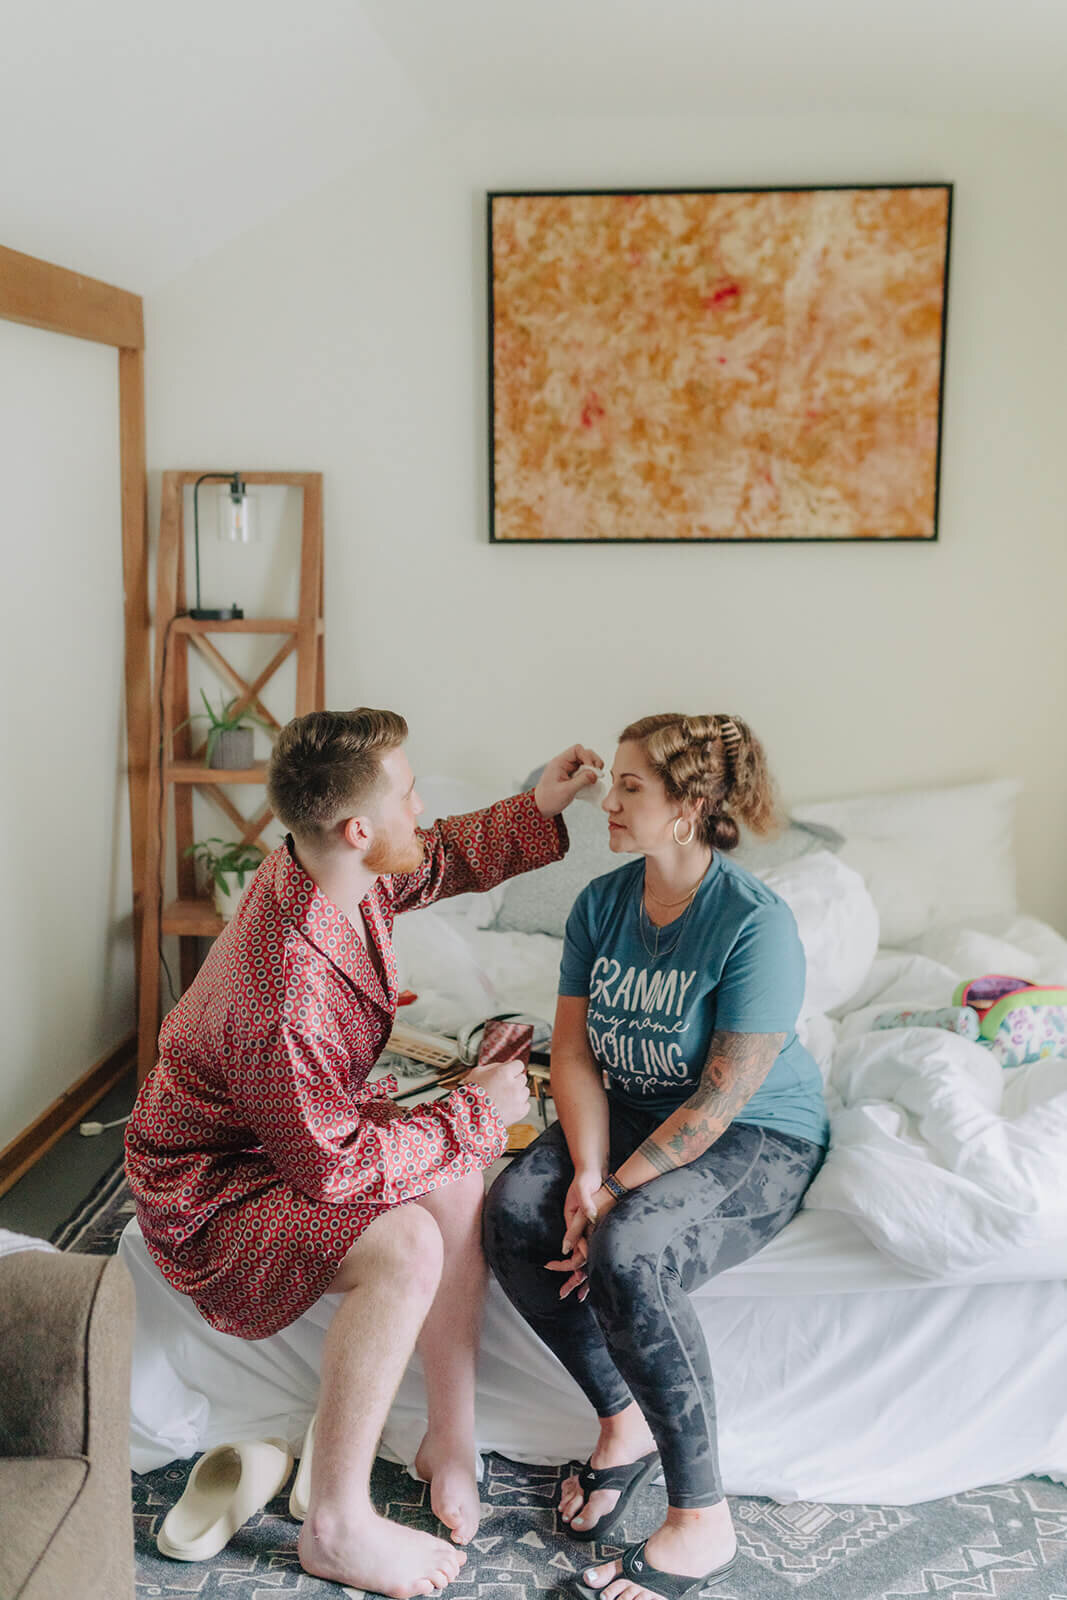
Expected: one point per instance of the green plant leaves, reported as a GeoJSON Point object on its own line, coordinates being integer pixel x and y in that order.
{"type": "Point", "coordinates": [222, 858]}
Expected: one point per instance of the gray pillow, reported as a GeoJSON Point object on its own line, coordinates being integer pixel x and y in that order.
{"type": "Point", "coordinates": [796, 839]}
{"type": "Point", "coordinates": [541, 901]}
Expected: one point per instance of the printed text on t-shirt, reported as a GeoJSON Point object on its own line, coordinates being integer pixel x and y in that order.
{"type": "Point", "coordinates": [636, 989]}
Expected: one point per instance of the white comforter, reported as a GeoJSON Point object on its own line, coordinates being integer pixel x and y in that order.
{"type": "Point", "coordinates": [953, 1167]}
{"type": "Point", "coordinates": [950, 1164]}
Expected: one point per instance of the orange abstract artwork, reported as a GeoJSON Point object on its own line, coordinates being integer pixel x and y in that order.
{"type": "Point", "coordinates": [717, 365]}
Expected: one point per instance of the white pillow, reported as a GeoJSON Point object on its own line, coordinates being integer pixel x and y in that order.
{"type": "Point", "coordinates": [837, 923]}
{"type": "Point", "coordinates": [929, 856]}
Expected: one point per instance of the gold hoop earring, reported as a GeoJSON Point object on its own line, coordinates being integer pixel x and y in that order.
{"type": "Point", "coordinates": [689, 837]}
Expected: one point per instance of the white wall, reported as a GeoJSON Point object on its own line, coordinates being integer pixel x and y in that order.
{"type": "Point", "coordinates": [349, 335]}
{"type": "Point", "coordinates": [66, 963]}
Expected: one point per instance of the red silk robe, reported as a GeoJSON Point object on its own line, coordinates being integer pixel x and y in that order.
{"type": "Point", "coordinates": [257, 1152]}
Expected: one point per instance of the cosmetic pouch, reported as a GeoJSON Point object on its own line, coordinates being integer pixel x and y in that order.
{"type": "Point", "coordinates": [1020, 1021]}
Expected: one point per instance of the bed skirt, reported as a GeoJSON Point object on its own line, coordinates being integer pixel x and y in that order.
{"type": "Point", "coordinates": [890, 1395]}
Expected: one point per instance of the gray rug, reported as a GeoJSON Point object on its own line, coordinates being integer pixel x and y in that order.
{"type": "Point", "coordinates": [1007, 1540]}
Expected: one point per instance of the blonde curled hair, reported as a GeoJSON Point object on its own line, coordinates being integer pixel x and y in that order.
{"type": "Point", "coordinates": [716, 764]}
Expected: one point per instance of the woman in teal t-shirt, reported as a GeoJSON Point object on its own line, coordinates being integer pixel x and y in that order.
{"type": "Point", "coordinates": [691, 1121]}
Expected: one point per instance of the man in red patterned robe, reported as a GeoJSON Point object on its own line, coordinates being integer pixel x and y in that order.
{"type": "Point", "coordinates": [267, 1172]}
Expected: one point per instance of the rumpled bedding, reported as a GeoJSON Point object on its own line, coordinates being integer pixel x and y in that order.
{"type": "Point", "coordinates": [948, 1162]}
{"type": "Point", "coordinates": [953, 1167]}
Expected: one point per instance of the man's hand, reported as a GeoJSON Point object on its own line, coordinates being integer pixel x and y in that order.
{"type": "Point", "coordinates": [562, 779]}
{"type": "Point", "coordinates": [505, 1084]}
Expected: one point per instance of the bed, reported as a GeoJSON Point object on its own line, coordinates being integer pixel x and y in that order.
{"type": "Point", "coordinates": [903, 1338]}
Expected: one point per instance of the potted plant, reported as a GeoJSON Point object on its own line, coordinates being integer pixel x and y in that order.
{"type": "Point", "coordinates": [228, 865]}
{"type": "Point", "coordinates": [230, 734]}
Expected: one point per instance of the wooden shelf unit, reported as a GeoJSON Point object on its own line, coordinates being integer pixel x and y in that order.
{"type": "Point", "coordinates": [195, 919]}
{"type": "Point", "coordinates": [195, 772]}
{"type": "Point", "coordinates": [177, 771]}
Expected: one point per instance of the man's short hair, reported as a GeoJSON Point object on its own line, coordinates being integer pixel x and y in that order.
{"type": "Point", "coordinates": [326, 766]}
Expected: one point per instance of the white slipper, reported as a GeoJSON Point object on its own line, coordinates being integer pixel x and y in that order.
{"type": "Point", "coordinates": [227, 1486]}
{"type": "Point", "coordinates": [300, 1493]}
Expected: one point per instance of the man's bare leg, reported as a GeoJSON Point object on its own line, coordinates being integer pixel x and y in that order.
{"type": "Point", "coordinates": [389, 1279]}
{"type": "Point", "coordinates": [448, 1345]}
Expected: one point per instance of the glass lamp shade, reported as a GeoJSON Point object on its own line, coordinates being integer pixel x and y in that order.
{"type": "Point", "coordinates": [236, 520]}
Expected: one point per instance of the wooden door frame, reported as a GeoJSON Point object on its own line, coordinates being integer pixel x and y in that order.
{"type": "Point", "coordinates": [42, 295]}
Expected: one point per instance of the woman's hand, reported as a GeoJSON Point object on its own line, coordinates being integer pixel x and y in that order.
{"type": "Point", "coordinates": [586, 1203]}
{"type": "Point", "coordinates": [580, 1208]}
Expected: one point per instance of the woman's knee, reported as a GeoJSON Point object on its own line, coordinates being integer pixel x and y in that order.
{"type": "Point", "coordinates": [618, 1268]}
{"type": "Point", "coordinates": [518, 1211]}
{"type": "Point", "coordinates": [501, 1210]}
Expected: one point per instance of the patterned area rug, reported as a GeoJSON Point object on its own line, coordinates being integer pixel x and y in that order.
{"type": "Point", "coordinates": [1008, 1540]}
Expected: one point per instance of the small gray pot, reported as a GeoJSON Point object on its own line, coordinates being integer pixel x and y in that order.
{"type": "Point", "coordinates": [233, 749]}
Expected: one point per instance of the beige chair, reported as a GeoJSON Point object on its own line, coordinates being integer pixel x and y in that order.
{"type": "Point", "coordinates": [66, 1330]}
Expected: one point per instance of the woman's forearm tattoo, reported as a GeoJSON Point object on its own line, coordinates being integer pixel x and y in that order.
{"type": "Point", "coordinates": [737, 1065]}
{"type": "Point", "coordinates": [656, 1156]}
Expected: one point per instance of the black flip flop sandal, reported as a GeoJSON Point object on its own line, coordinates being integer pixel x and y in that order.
{"type": "Point", "coordinates": [630, 1479]}
{"type": "Point", "coordinates": [670, 1585]}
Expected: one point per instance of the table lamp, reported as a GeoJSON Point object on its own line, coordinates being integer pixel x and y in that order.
{"type": "Point", "coordinates": [235, 522]}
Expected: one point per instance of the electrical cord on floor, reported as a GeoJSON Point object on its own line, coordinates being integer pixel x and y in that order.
{"type": "Point", "coordinates": [89, 1130]}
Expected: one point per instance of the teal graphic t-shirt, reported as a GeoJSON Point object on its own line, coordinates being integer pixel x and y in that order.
{"type": "Point", "coordinates": [733, 962]}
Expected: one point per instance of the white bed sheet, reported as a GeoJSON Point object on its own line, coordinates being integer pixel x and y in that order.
{"type": "Point", "coordinates": [888, 1395]}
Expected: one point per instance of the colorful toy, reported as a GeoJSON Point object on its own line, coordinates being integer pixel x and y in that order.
{"type": "Point", "coordinates": [1018, 1021]}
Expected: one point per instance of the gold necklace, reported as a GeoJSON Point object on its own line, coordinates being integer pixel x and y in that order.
{"type": "Point", "coordinates": [653, 950]}
{"type": "Point", "coordinates": [670, 904]}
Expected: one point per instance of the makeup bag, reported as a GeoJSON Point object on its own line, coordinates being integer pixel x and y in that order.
{"type": "Point", "coordinates": [1019, 1021]}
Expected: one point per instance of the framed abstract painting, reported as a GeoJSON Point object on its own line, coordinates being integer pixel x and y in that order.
{"type": "Point", "coordinates": [752, 365]}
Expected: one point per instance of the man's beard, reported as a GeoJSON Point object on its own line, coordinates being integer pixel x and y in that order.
{"type": "Point", "coordinates": [387, 855]}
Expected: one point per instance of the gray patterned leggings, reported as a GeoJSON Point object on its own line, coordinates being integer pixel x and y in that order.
{"type": "Point", "coordinates": [636, 1336]}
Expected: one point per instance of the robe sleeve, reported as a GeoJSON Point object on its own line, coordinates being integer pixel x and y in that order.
{"type": "Point", "coordinates": [478, 851]}
{"type": "Point", "coordinates": [336, 1143]}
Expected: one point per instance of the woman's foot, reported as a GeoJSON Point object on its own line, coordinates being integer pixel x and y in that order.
{"type": "Point", "coordinates": [624, 1438]}
{"type": "Point", "coordinates": [689, 1544]}
{"type": "Point", "coordinates": [370, 1553]}
{"type": "Point", "coordinates": [448, 1467]}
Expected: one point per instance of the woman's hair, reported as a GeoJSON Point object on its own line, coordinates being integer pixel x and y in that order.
{"type": "Point", "coordinates": [326, 764]}
{"type": "Point", "coordinates": [716, 763]}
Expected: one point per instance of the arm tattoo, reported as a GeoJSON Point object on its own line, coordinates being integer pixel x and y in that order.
{"type": "Point", "coordinates": [737, 1064]}
{"type": "Point", "coordinates": [656, 1156]}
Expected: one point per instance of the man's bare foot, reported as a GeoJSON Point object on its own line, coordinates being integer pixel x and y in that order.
{"type": "Point", "coordinates": [371, 1553]}
{"type": "Point", "coordinates": [448, 1467]}
{"type": "Point", "coordinates": [623, 1438]}
{"type": "Point", "coordinates": [689, 1544]}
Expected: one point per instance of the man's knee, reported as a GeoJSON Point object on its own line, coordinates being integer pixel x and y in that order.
{"type": "Point", "coordinates": [404, 1247]}
{"type": "Point", "coordinates": [461, 1199]}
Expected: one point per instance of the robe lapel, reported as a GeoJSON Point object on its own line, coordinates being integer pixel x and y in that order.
{"type": "Point", "coordinates": [303, 903]}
